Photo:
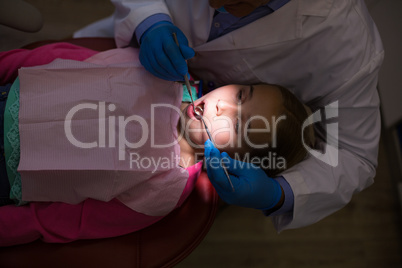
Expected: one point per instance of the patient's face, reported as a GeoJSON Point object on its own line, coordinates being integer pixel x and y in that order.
{"type": "Point", "coordinates": [237, 116]}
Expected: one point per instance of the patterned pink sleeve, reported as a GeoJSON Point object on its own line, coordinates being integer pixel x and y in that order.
{"type": "Point", "coordinates": [12, 60]}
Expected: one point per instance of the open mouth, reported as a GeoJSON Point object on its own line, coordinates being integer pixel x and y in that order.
{"type": "Point", "coordinates": [199, 111]}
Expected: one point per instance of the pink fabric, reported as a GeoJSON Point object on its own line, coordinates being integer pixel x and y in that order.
{"type": "Point", "coordinates": [12, 60]}
{"type": "Point", "coordinates": [144, 177]}
{"type": "Point", "coordinates": [116, 55]}
{"type": "Point", "coordinates": [60, 222]}
{"type": "Point", "coordinates": [91, 219]}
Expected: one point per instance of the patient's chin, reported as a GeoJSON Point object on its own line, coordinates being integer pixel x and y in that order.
{"type": "Point", "coordinates": [197, 144]}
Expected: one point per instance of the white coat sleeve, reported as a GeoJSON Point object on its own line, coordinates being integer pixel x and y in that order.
{"type": "Point", "coordinates": [130, 13]}
{"type": "Point", "coordinates": [323, 184]}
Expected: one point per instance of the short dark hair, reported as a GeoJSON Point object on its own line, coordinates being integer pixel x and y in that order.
{"type": "Point", "coordinates": [289, 142]}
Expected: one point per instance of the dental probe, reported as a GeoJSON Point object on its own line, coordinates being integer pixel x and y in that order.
{"type": "Point", "coordinates": [186, 78]}
{"type": "Point", "coordinates": [210, 137]}
{"type": "Point", "coordinates": [202, 119]}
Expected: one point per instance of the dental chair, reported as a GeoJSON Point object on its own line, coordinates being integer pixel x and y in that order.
{"type": "Point", "coordinates": [163, 244]}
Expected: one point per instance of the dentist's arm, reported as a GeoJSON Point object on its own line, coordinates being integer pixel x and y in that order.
{"type": "Point", "coordinates": [148, 24]}
{"type": "Point", "coordinates": [129, 15]}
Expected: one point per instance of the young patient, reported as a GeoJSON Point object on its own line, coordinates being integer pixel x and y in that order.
{"type": "Point", "coordinates": [249, 122]}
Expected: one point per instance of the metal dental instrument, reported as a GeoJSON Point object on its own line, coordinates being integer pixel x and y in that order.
{"type": "Point", "coordinates": [188, 86]}
{"type": "Point", "coordinates": [210, 137]}
{"type": "Point", "coordinates": [198, 111]}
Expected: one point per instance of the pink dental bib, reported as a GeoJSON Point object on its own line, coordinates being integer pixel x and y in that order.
{"type": "Point", "coordinates": [100, 132]}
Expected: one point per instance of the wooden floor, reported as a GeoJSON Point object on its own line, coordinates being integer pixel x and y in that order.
{"type": "Point", "coordinates": [366, 233]}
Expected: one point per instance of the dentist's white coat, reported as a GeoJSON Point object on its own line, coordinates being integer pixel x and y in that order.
{"type": "Point", "coordinates": [324, 51]}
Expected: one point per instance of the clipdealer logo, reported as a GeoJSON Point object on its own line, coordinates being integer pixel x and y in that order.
{"type": "Point", "coordinates": [328, 156]}
{"type": "Point", "coordinates": [331, 149]}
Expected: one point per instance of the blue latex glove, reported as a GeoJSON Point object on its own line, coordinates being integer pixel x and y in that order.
{"type": "Point", "coordinates": [253, 188]}
{"type": "Point", "coordinates": [161, 56]}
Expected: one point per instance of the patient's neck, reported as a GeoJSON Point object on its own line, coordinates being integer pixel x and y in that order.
{"type": "Point", "coordinates": [187, 154]}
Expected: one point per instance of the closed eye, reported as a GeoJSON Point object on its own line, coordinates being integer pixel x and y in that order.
{"type": "Point", "coordinates": [244, 94]}
{"type": "Point", "coordinates": [240, 96]}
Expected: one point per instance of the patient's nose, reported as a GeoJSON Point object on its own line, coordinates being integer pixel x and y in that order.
{"type": "Point", "coordinates": [223, 107]}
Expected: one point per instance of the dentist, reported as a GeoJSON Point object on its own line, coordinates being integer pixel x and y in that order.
{"type": "Point", "coordinates": [327, 52]}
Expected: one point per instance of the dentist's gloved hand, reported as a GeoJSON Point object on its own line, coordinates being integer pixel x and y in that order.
{"type": "Point", "coordinates": [161, 56]}
{"type": "Point", "coordinates": [253, 188]}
